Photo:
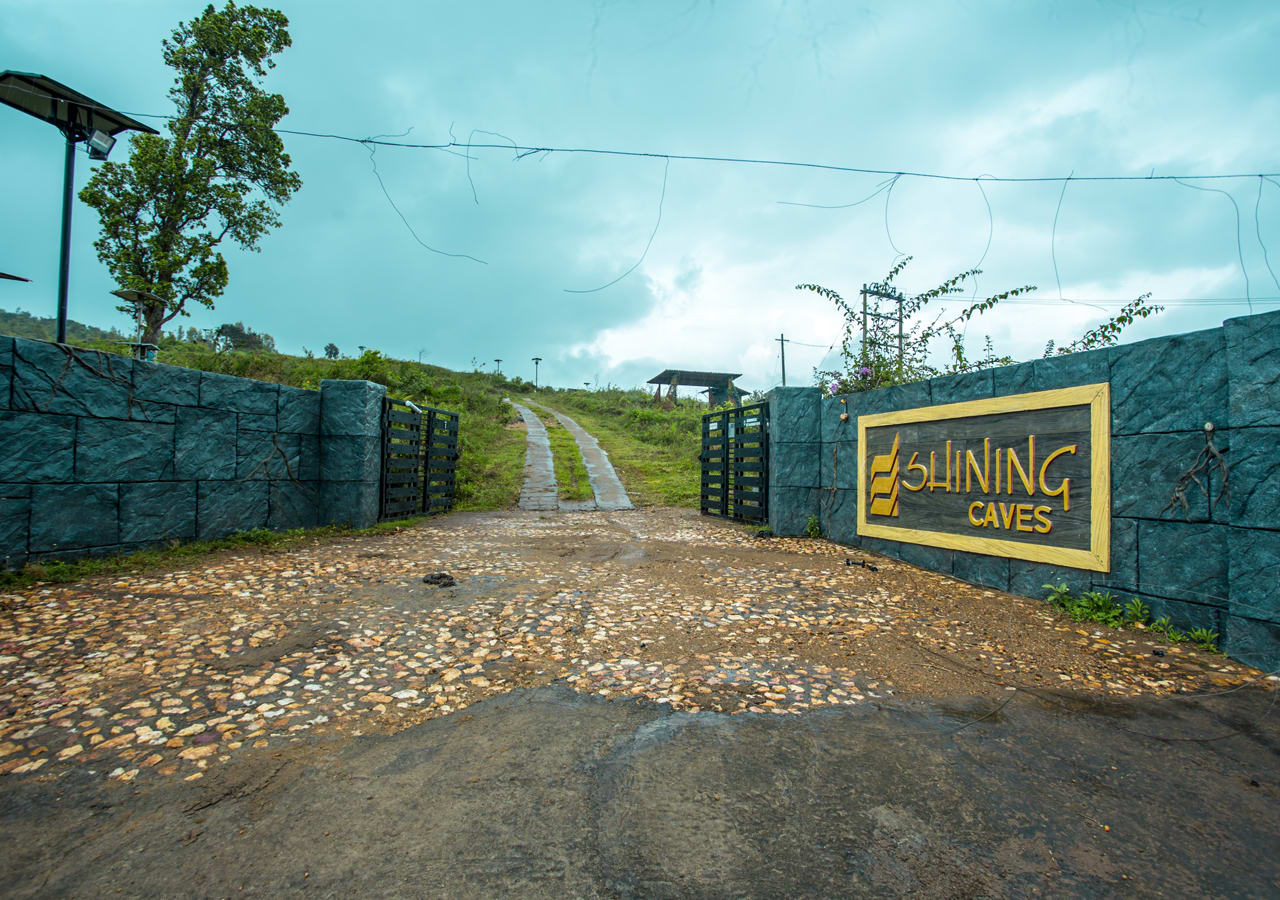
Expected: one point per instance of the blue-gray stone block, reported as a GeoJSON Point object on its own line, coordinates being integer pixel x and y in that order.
{"type": "Point", "coordinates": [891, 549]}
{"type": "Point", "coordinates": [1255, 573]}
{"type": "Point", "coordinates": [1124, 557]}
{"type": "Point", "coordinates": [159, 383]}
{"type": "Point", "coordinates": [225, 507]}
{"type": "Point", "coordinates": [15, 513]}
{"type": "Point", "coordinates": [1254, 463]}
{"type": "Point", "coordinates": [833, 427]}
{"type": "Point", "coordinates": [309, 454]}
{"type": "Point", "coordinates": [794, 465]}
{"type": "Point", "coordinates": [1029, 578]}
{"type": "Point", "coordinates": [351, 407]}
{"type": "Point", "coordinates": [6, 370]}
{"type": "Point", "coordinates": [1144, 471]}
{"type": "Point", "coordinates": [790, 509]}
{"type": "Point", "coordinates": [351, 458]}
{"type": "Point", "coordinates": [298, 411]}
{"type": "Point", "coordinates": [353, 503]}
{"type": "Point", "coordinates": [1169, 384]}
{"type": "Point", "coordinates": [74, 516]}
{"type": "Point", "coordinates": [838, 515]}
{"type": "Point", "coordinates": [1183, 615]}
{"type": "Point", "coordinates": [1252, 641]}
{"type": "Point", "coordinates": [242, 395]}
{"type": "Point", "coordinates": [1016, 379]}
{"type": "Point", "coordinates": [978, 568]}
{"type": "Point", "coordinates": [959, 388]}
{"type": "Point", "coordinates": [936, 559]}
{"type": "Point", "coordinates": [159, 511]}
{"type": "Point", "coordinates": [838, 465]}
{"type": "Point", "coordinates": [35, 447]}
{"type": "Point", "coordinates": [255, 422]}
{"type": "Point", "coordinates": [58, 379]}
{"type": "Point", "coordinates": [793, 415]}
{"type": "Point", "coordinates": [261, 455]}
{"type": "Point", "coordinates": [1071, 370]}
{"type": "Point", "coordinates": [295, 504]}
{"type": "Point", "coordinates": [145, 411]}
{"type": "Point", "coordinates": [205, 446]}
{"type": "Point", "coordinates": [109, 450]}
{"type": "Point", "coordinates": [1183, 561]}
{"type": "Point", "coordinates": [890, 399]}
{"type": "Point", "coordinates": [1253, 365]}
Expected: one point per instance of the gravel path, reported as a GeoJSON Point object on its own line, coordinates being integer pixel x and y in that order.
{"type": "Point", "coordinates": [170, 673]}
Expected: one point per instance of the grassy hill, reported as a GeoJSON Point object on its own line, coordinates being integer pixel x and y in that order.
{"type": "Point", "coordinates": [25, 325]}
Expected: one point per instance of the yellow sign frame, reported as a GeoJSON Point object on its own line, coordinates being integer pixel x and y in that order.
{"type": "Point", "coordinates": [1098, 397]}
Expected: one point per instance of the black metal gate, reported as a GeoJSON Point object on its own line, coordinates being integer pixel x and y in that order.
{"type": "Point", "coordinates": [735, 463]}
{"type": "Point", "coordinates": [419, 459]}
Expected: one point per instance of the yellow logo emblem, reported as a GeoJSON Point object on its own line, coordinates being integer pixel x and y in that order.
{"type": "Point", "coordinates": [884, 483]}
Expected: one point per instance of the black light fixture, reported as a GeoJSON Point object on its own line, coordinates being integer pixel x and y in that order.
{"type": "Point", "coordinates": [536, 360]}
{"type": "Point", "coordinates": [79, 119]}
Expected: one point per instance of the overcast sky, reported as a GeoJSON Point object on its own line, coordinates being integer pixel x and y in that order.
{"type": "Point", "coordinates": [970, 89]}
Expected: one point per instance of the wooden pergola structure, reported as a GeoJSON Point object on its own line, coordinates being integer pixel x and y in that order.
{"type": "Point", "coordinates": [719, 385]}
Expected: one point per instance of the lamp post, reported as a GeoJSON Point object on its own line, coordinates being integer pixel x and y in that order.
{"type": "Point", "coordinates": [536, 360]}
{"type": "Point", "coordinates": [498, 363]}
{"type": "Point", "coordinates": [79, 119]}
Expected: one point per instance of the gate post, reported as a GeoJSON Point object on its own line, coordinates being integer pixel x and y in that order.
{"type": "Point", "coordinates": [351, 451]}
{"type": "Point", "coordinates": [795, 448]}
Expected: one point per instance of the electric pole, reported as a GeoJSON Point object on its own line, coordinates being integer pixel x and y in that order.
{"type": "Point", "coordinates": [782, 342]}
{"type": "Point", "coordinates": [536, 360]}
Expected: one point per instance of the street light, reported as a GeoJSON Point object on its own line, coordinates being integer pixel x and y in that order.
{"type": "Point", "coordinates": [498, 363]}
{"type": "Point", "coordinates": [536, 360]}
{"type": "Point", "coordinates": [79, 119]}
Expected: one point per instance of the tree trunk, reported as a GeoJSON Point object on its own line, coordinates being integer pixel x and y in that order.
{"type": "Point", "coordinates": [153, 316]}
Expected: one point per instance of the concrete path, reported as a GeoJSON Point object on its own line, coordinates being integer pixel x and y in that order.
{"type": "Point", "coordinates": [539, 490]}
{"type": "Point", "coordinates": [610, 494]}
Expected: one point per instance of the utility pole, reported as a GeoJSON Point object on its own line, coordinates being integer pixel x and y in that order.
{"type": "Point", "coordinates": [900, 337]}
{"type": "Point", "coordinates": [864, 321]}
{"type": "Point", "coordinates": [498, 363]}
{"type": "Point", "coordinates": [782, 342]}
{"type": "Point", "coordinates": [536, 360]}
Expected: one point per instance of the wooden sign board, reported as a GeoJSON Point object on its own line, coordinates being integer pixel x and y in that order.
{"type": "Point", "coordinates": [1026, 476]}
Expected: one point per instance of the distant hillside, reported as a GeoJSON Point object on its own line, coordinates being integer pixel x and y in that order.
{"type": "Point", "coordinates": [25, 325]}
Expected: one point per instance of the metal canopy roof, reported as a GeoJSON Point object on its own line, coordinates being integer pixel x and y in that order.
{"type": "Point", "coordinates": [57, 104]}
{"type": "Point", "coordinates": [691, 378]}
{"type": "Point", "coordinates": [8, 277]}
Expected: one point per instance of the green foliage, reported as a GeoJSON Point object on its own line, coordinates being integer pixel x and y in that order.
{"type": "Point", "coordinates": [1059, 594]}
{"type": "Point", "coordinates": [571, 472]}
{"type": "Point", "coordinates": [1097, 606]}
{"type": "Point", "coordinates": [221, 173]}
{"type": "Point", "coordinates": [1204, 637]}
{"type": "Point", "coordinates": [331, 351]}
{"type": "Point", "coordinates": [238, 336]}
{"type": "Point", "coordinates": [813, 528]}
{"type": "Point", "coordinates": [1137, 612]}
{"type": "Point", "coordinates": [870, 355]}
{"type": "Point", "coordinates": [40, 328]}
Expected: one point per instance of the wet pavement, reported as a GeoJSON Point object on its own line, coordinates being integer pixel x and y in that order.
{"type": "Point", "coordinates": [608, 489]}
{"type": "Point", "coordinates": [539, 488]}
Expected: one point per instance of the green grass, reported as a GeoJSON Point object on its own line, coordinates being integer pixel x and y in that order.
{"type": "Point", "coordinates": [1103, 608]}
{"type": "Point", "coordinates": [177, 553]}
{"type": "Point", "coordinates": [571, 472]}
{"type": "Point", "coordinates": [654, 450]}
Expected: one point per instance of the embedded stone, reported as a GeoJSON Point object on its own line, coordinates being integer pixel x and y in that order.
{"type": "Point", "coordinates": [978, 568]}
{"type": "Point", "coordinates": [1253, 359]}
{"type": "Point", "coordinates": [56, 378]}
{"type": "Point", "coordinates": [351, 458]}
{"type": "Point", "coordinates": [1166, 384]}
{"type": "Point", "coordinates": [351, 407]}
{"type": "Point", "coordinates": [1183, 561]}
{"type": "Point", "coordinates": [794, 465]}
{"type": "Point", "coordinates": [959, 388]}
{"type": "Point", "coordinates": [299, 411]}
{"type": "Point", "coordinates": [159, 383]}
{"type": "Point", "coordinates": [242, 395]}
{"type": "Point", "coordinates": [294, 505]}
{"type": "Point", "coordinates": [225, 507]}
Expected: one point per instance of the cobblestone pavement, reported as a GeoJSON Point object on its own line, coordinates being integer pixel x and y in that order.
{"type": "Point", "coordinates": [171, 673]}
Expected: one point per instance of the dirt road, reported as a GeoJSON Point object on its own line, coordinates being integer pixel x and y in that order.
{"type": "Point", "coordinates": [628, 703]}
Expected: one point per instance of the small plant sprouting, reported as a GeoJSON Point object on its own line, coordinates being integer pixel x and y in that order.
{"type": "Point", "coordinates": [1204, 637]}
{"type": "Point", "coordinates": [1137, 612]}
{"type": "Point", "coordinates": [1162, 625]}
{"type": "Point", "coordinates": [1059, 595]}
{"type": "Point", "coordinates": [812, 528]}
{"type": "Point", "coordinates": [1098, 606]}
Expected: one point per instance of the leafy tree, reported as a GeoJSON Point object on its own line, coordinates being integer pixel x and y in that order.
{"type": "Point", "coordinates": [236, 336]}
{"type": "Point", "coordinates": [871, 359]}
{"type": "Point", "coordinates": [221, 173]}
{"type": "Point", "coordinates": [331, 351]}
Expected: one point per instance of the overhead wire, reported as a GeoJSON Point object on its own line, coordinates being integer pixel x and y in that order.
{"type": "Point", "coordinates": [1239, 245]}
{"type": "Point", "coordinates": [1257, 225]}
{"type": "Point", "coordinates": [661, 200]}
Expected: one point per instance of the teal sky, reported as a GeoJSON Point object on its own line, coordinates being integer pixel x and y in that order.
{"type": "Point", "coordinates": [1006, 89]}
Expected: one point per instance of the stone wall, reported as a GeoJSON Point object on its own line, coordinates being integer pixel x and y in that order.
{"type": "Point", "coordinates": [1216, 568]}
{"type": "Point", "coordinates": [102, 454]}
